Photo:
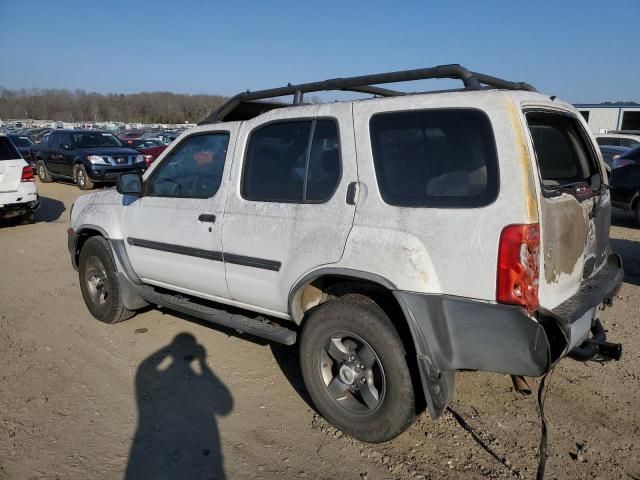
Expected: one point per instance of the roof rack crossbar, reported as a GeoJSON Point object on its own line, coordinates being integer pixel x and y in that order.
{"type": "Point", "coordinates": [366, 84]}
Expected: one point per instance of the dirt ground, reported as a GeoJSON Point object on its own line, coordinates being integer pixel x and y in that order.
{"type": "Point", "coordinates": [161, 396]}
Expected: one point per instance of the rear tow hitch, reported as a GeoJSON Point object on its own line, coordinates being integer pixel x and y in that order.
{"type": "Point", "coordinates": [597, 348]}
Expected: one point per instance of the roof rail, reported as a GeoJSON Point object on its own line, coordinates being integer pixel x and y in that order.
{"type": "Point", "coordinates": [233, 109]}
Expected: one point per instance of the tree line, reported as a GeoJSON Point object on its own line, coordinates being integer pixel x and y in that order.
{"type": "Point", "coordinates": [80, 106]}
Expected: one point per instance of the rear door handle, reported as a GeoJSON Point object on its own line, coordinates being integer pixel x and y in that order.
{"type": "Point", "coordinates": [207, 217]}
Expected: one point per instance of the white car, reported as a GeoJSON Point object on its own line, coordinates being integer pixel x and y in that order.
{"type": "Point", "coordinates": [18, 194]}
{"type": "Point", "coordinates": [396, 239]}
{"type": "Point", "coordinates": [619, 139]}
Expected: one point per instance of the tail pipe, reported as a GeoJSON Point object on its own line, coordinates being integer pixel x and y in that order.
{"type": "Point", "coordinates": [597, 348]}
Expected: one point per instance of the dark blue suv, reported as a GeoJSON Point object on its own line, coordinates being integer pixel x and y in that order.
{"type": "Point", "coordinates": [85, 156]}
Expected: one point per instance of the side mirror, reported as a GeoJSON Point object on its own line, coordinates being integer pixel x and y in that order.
{"type": "Point", "coordinates": [65, 146]}
{"type": "Point", "coordinates": [130, 184]}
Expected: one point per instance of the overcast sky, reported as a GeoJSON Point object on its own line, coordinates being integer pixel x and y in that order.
{"type": "Point", "coordinates": [582, 51]}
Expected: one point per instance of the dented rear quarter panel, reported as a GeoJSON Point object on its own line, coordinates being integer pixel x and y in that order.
{"type": "Point", "coordinates": [451, 251]}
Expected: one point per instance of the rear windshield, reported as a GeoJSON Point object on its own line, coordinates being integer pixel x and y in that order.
{"type": "Point", "coordinates": [564, 156]}
{"type": "Point", "coordinates": [7, 150]}
{"type": "Point", "coordinates": [435, 158]}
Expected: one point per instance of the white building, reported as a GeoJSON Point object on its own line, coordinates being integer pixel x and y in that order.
{"type": "Point", "coordinates": [601, 117]}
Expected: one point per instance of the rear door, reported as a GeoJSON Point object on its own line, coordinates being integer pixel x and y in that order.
{"type": "Point", "coordinates": [51, 153]}
{"type": "Point", "coordinates": [66, 154]}
{"type": "Point", "coordinates": [575, 208]}
{"type": "Point", "coordinates": [10, 166]}
{"type": "Point", "coordinates": [288, 212]}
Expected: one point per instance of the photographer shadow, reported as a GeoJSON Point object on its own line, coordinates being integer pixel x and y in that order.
{"type": "Point", "coordinates": [179, 399]}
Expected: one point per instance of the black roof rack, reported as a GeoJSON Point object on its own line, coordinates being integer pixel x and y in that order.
{"type": "Point", "coordinates": [247, 105]}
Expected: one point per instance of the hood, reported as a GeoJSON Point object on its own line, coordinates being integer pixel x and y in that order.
{"type": "Point", "coordinates": [108, 151]}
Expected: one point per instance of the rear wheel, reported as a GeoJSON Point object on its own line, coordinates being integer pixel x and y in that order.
{"type": "Point", "coordinates": [43, 173]}
{"type": "Point", "coordinates": [99, 282]}
{"type": "Point", "coordinates": [636, 212]}
{"type": "Point", "coordinates": [354, 367]}
{"type": "Point", "coordinates": [82, 179]}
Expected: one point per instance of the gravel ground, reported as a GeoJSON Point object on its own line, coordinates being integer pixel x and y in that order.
{"type": "Point", "coordinates": [162, 396]}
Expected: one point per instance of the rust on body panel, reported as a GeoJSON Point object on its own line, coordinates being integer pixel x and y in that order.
{"type": "Point", "coordinates": [524, 161]}
{"type": "Point", "coordinates": [564, 233]}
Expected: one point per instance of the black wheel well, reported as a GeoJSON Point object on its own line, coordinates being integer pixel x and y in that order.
{"type": "Point", "coordinates": [84, 235]}
{"type": "Point", "coordinates": [328, 287]}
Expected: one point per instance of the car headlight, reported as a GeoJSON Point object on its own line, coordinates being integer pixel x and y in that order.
{"type": "Point", "coordinates": [96, 160]}
{"type": "Point", "coordinates": [139, 158]}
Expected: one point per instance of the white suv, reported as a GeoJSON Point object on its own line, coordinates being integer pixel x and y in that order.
{"type": "Point", "coordinates": [18, 194]}
{"type": "Point", "coordinates": [397, 239]}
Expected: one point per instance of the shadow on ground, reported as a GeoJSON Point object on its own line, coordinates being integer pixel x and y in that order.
{"type": "Point", "coordinates": [50, 210]}
{"type": "Point", "coordinates": [179, 400]}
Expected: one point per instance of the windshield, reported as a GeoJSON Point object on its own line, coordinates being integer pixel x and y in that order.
{"type": "Point", "coordinates": [95, 139]}
{"type": "Point", "coordinates": [21, 141]}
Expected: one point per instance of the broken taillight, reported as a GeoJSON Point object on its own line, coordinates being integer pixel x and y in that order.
{"type": "Point", "coordinates": [519, 266]}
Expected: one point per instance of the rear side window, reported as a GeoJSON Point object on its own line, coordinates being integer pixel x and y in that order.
{"type": "Point", "coordinates": [292, 162]}
{"type": "Point", "coordinates": [561, 148]}
{"type": "Point", "coordinates": [7, 150]}
{"type": "Point", "coordinates": [435, 158]}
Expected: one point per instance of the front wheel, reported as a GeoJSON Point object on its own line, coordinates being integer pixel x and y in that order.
{"type": "Point", "coordinates": [354, 367]}
{"type": "Point", "coordinates": [99, 282]}
{"type": "Point", "coordinates": [82, 179]}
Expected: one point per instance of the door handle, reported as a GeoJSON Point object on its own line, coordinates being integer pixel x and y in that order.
{"type": "Point", "coordinates": [352, 193]}
{"type": "Point", "coordinates": [207, 217]}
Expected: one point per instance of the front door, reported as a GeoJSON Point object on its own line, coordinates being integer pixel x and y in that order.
{"type": "Point", "coordinates": [173, 234]}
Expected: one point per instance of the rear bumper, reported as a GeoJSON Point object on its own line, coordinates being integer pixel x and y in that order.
{"type": "Point", "coordinates": [20, 208]}
{"type": "Point", "coordinates": [452, 333]}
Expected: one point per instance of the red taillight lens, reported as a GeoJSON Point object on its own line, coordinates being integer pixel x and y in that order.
{"type": "Point", "coordinates": [27, 175]}
{"type": "Point", "coordinates": [518, 266]}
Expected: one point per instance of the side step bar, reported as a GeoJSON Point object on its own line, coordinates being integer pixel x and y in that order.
{"type": "Point", "coordinates": [259, 326]}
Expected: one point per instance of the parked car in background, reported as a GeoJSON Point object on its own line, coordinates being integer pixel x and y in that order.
{"type": "Point", "coordinates": [18, 194]}
{"type": "Point", "coordinates": [150, 148]}
{"type": "Point", "coordinates": [610, 153]}
{"type": "Point", "coordinates": [24, 145]}
{"type": "Point", "coordinates": [164, 137]}
{"type": "Point", "coordinates": [618, 139]}
{"type": "Point", "coordinates": [129, 134]}
{"type": "Point", "coordinates": [625, 181]}
{"type": "Point", "coordinates": [87, 157]}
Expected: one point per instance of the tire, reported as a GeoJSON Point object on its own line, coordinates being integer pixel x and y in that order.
{"type": "Point", "coordinates": [43, 172]}
{"type": "Point", "coordinates": [335, 333]}
{"type": "Point", "coordinates": [636, 212]}
{"type": "Point", "coordinates": [82, 179]}
{"type": "Point", "coordinates": [99, 282]}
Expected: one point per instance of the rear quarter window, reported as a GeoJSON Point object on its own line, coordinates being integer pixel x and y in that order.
{"type": "Point", "coordinates": [435, 158]}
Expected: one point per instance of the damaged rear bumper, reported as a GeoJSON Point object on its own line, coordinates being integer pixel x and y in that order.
{"type": "Point", "coordinates": [453, 333]}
